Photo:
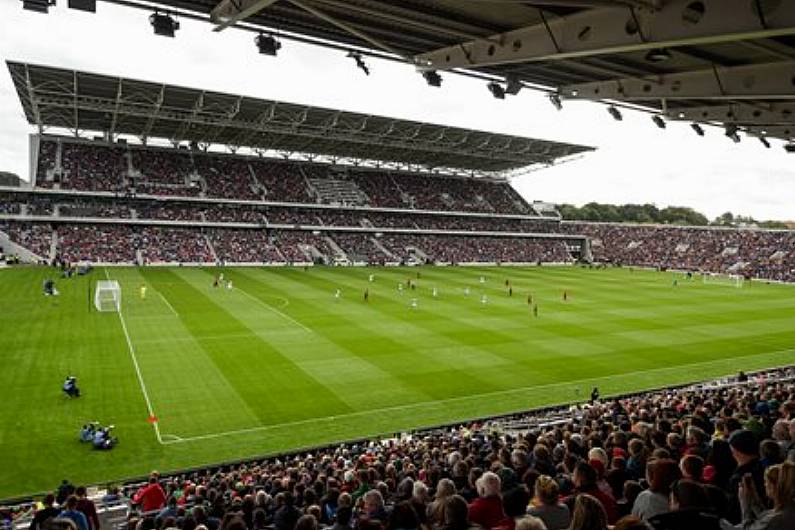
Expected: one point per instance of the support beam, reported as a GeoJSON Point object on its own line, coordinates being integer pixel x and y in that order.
{"type": "Point", "coordinates": [759, 81]}
{"type": "Point", "coordinates": [230, 12]}
{"type": "Point", "coordinates": [778, 131]}
{"type": "Point", "coordinates": [616, 30]}
{"type": "Point", "coordinates": [346, 27]}
{"type": "Point", "coordinates": [782, 113]}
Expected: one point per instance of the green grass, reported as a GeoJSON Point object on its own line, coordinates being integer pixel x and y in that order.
{"type": "Point", "coordinates": [277, 363]}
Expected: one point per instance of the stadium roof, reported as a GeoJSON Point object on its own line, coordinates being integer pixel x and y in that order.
{"type": "Point", "coordinates": [711, 61]}
{"type": "Point", "coordinates": [81, 101]}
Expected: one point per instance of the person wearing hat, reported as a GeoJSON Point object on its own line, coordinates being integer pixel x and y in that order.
{"type": "Point", "coordinates": [745, 451]}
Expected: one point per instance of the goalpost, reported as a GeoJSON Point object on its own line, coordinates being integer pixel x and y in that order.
{"type": "Point", "coordinates": [732, 280]}
{"type": "Point", "coordinates": [107, 296]}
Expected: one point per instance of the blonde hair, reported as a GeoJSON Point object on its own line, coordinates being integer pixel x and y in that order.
{"type": "Point", "coordinates": [784, 490]}
{"type": "Point", "coordinates": [547, 490]}
{"type": "Point", "coordinates": [589, 514]}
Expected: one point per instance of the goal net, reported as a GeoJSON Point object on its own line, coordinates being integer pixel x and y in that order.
{"type": "Point", "coordinates": [731, 280]}
{"type": "Point", "coordinates": [107, 297]}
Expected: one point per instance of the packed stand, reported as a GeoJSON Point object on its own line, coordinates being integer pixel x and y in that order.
{"type": "Point", "coordinates": [227, 213]}
{"type": "Point", "coordinates": [11, 203]}
{"type": "Point", "coordinates": [359, 247]}
{"type": "Point", "coordinates": [283, 181]}
{"type": "Point", "coordinates": [96, 243]}
{"type": "Point", "coordinates": [36, 237]}
{"type": "Point", "coordinates": [93, 167]}
{"type": "Point", "coordinates": [168, 245]}
{"type": "Point", "coordinates": [94, 208]}
{"type": "Point", "coordinates": [703, 457]}
{"type": "Point", "coordinates": [167, 211]}
{"type": "Point", "coordinates": [458, 249]}
{"type": "Point", "coordinates": [766, 254]}
{"type": "Point", "coordinates": [47, 158]}
{"type": "Point", "coordinates": [380, 188]}
{"type": "Point", "coordinates": [165, 172]}
{"type": "Point", "coordinates": [244, 246]}
{"type": "Point", "coordinates": [226, 177]}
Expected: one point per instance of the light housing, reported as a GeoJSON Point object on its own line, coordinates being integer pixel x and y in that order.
{"type": "Point", "coordinates": [615, 113]}
{"type": "Point", "coordinates": [432, 77]}
{"type": "Point", "coordinates": [496, 90]}
{"type": "Point", "coordinates": [163, 24]}
{"type": "Point", "coordinates": [39, 6]}
{"type": "Point", "coordinates": [267, 44]}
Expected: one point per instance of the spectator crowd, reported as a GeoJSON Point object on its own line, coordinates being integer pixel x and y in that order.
{"type": "Point", "coordinates": [719, 455]}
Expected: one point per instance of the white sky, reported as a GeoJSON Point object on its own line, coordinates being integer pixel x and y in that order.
{"type": "Point", "coordinates": [635, 161]}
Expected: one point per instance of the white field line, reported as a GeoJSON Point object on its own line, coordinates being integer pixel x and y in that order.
{"type": "Point", "coordinates": [173, 439]}
{"type": "Point", "coordinates": [168, 304]}
{"type": "Point", "coordinates": [275, 310]}
{"type": "Point", "coordinates": [138, 371]}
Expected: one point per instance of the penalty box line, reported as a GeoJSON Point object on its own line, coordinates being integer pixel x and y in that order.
{"type": "Point", "coordinates": [131, 349]}
{"type": "Point", "coordinates": [174, 439]}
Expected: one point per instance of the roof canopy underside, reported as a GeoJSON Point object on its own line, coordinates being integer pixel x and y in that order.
{"type": "Point", "coordinates": [712, 61]}
{"type": "Point", "coordinates": [80, 101]}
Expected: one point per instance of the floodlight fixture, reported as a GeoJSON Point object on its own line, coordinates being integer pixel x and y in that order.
{"type": "Point", "coordinates": [84, 5]}
{"type": "Point", "coordinates": [163, 24]}
{"type": "Point", "coordinates": [731, 133]}
{"type": "Point", "coordinates": [658, 121]}
{"type": "Point", "coordinates": [512, 85]}
{"type": "Point", "coordinates": [764, 142]}
{"type": "Point", "coordinates": [432, 77]}
{"type": "Point", "coordinates": [697, 128]}
{"type": "Point", "coordinates": [39, 6]}
{"type": "Point", "coordinates": [356, 56]}
{"type": "Point", "coordinates": [267, 44]}
{"type": "Point", "coordinates": [615, 113]}
{"type": "Point", "coordinates": [556, 101]}
{"type": "Point", "coordinates": [496, 90]}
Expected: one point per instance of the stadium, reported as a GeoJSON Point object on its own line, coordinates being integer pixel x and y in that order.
{"type": "Point", "coordinates": [223, 311]}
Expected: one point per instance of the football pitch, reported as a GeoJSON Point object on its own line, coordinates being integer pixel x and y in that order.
{"type": "Point", "coordinates": [195, 375]}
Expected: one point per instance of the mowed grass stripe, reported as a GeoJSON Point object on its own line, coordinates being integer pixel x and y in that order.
{"type": "Point", "coordinates": [43, 340]}
{"type": "Point", "coordinates": [413, 367]}
{"type": "Point", "coordinates": [358, 381]}
{"type": "Point", "coordinates": [273, 387]}
{"type": "Point", "coordinates": [172, 361]}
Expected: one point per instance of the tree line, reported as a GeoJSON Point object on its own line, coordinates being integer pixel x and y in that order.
{"type": "Point", "coordinates": [649, 213]}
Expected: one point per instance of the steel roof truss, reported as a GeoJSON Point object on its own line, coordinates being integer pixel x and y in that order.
{"type": "Point", "coordinates": [757, 81]}
{"type": "Point", "coordinates": [615, 30]}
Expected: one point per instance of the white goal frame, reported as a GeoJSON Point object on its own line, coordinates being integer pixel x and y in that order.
{"type": "Point", "coordinates": [731, 280]}
{"type": "Point", "coordinates": [107, 296]}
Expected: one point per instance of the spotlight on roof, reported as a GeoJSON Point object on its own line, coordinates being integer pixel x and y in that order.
{"type": "Point", "coordinates": [163, 24]}
{"type": "Point", "coordinates": [615, 113]}
{"type": "Point", "coordinates": [512, 85]}
{"type": "Point", "coordinates": [658, 121]}
{"type": "Point", "coordinates": [84, 5]}
{"type": "Point", "coordinates": [764, 141]}
{"type": "Point", "coordinates": [697, 128]}
{"type": "Point", "coordinates": [432, 77]}
{"type": "Point", "coordinates": [39, 6]}
{"type": "Point", "coordinates": [267, 44]}
{"type": "Point", "coordinates": [359, 62]}
{"type": "Point", "coordinates": [556, 102]}
{"type": "Point", "coordinates": [731, 133]}
{"type": "Point", "coordinates": [658, 55]}
{"type": "Point", "coordinates": [496, 90]}
{"type": "Point", "coordinates": [790, 148]}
